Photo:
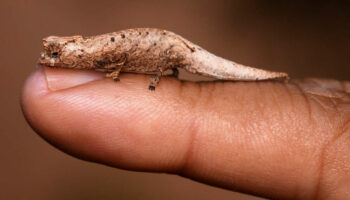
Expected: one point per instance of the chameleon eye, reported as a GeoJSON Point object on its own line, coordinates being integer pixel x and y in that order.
{"type": "Point", "coordinates": [54, 54]}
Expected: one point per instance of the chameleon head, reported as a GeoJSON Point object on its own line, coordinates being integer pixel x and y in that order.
{"type": "Point", "coordinates": [57, 51]}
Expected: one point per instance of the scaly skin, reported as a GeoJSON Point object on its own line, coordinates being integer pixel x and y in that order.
{"type": "Point", "coordinates": [144, 50]}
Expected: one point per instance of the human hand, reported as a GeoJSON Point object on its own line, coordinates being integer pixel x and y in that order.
{"type": "Point", "coordinates": [272, 139]}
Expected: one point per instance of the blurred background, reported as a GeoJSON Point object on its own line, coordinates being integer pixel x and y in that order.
{"type": "Point", "coordinates": [304, 39]}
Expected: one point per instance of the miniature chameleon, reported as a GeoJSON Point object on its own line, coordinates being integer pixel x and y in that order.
{"type": "Point", "coordinates": [144, 50]}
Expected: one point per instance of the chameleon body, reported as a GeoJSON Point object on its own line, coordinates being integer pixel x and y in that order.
{"type": "Point", "coordinates": [144, 50]}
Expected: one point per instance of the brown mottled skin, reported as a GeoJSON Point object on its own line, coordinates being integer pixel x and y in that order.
{"type": "Point", "coordinates": [144, 50]}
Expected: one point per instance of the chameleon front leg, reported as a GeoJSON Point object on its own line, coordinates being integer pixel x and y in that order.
{"type": "Point", "coordinates": [115, 74]}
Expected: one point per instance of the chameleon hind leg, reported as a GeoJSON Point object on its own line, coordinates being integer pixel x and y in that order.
{"type": "Point", "coordinates": [154, 80]}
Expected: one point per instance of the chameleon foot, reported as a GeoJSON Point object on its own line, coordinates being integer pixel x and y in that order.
{"type": "Point", "coordinates": [151, 87]}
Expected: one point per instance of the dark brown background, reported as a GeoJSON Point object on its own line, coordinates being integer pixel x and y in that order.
{"type": "Point", "coordinates": [302, 39]}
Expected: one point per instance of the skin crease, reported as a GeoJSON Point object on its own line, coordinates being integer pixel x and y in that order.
{"type": "Point", "coordinates": [271, 139]}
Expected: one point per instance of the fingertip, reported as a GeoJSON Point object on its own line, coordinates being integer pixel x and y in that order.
{"type": "Point", "coordinates": [35, 84]}
{"type": "Point", "coordinates": [58, 79]}
{"type": "Point", "coordinates": [104, 121]}
{"type": "Point", "coordinates": [44, 80]}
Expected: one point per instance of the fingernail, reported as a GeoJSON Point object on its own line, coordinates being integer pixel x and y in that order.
{"type": "Point", "coordinates": [58, 79]}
